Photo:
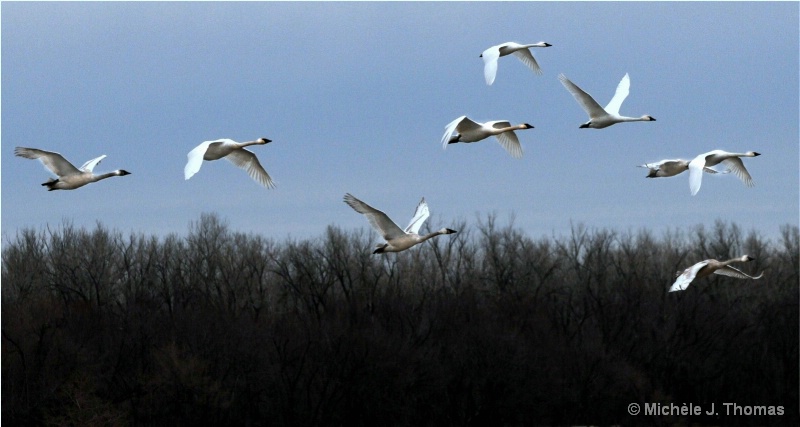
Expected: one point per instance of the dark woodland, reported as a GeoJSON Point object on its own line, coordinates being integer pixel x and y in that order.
{"type": "Point", "coordinates": [485, 327]}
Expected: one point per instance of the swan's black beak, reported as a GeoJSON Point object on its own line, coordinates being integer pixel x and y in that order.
{"type": "Point", "coordinates": [266, 140]}
{"type": "Point", "coordinates": [756, 154]}
{"type": "Point", "coordinates": [451, 231]}
{"type": "Point", "coordinates": [547, 44]}
{"type": "Point", "coordinates": [123, 172]}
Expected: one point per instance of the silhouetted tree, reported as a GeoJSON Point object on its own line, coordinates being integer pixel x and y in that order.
{"type": "Point", "coordinates": [485, 327]}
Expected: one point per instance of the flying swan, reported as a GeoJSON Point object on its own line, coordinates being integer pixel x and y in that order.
{"type": "Point", "coordinates": [599, 117]}
{"type": "Point", "coordinates": [230, 150]}
{"type": "Point", "coordinates": [69, 177]}
{"type": "Point", "coordinates": [491, 55]}
{"type": "Point", "coordinates": [709, 266]}
{"type": "Point", "coordinates": [732, 160]}
{"type": "Point", "coordinates": [396, 238]}
{"type": "Point", "coordinates": [469, 131]}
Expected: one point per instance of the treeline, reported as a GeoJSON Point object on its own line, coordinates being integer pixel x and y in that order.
{"type": "Point", "coordinates": [485, 327]}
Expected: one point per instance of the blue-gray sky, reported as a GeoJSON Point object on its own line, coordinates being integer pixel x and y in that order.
{"type": "Point", "coordinates": [355, 97]}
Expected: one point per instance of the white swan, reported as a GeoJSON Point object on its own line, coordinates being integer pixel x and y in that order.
{"type": "Point", "coordinates": [491, 55]}
{"type": "Point", "coordinates": [667, 168]}
{"type": "Point", "coordinates": [469, 131]}
{"type": "Point", "coordinates": [396, 238]}
{"type": "Point", "coordinates": [709, 266]}
{"type": "Point", "coordinates": [230, 150]}
{"type": "Point", "coordinates": [600, 117]}
{"type": "Point", "coordinates": [69, 177]}
{"type": "Point", "coordinates": [715, 157]}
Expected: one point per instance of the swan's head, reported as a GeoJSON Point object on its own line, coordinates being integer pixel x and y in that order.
{"type": "Point", "coordinates": [648, 118]}
{"type": "Point", "coordinates": [754, 154]}
{"type": "Point", "coordinates": [544, 44]}
{"type": "Point", "coordinates": [122, 172]}
{"type": "Point", "coordinates": [264, 140]}
{"type": "Point", "coordinates": [747, 258]}
{"type": "Point", "coordinates": [448, 231]}
{"type": "Point", "coordinates": [525, 126]}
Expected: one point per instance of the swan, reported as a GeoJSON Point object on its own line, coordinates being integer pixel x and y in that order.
{"type": "Point", "coordinates": [732, 160]}
{"type": "Point", "coordinates": [230, 150]}
{"type": "Point", "coordinates": [396, 238]}
{"type": "Point", "coordinates": [709, 266]}
{"type": "Point", "coordinates": [599, 117]}
{"type": "Point", "coordinates": [491, 55]}
{"type": "Point", "coordinates": [69, 177]}
{"type": "Point", "coordinates": [667, 168]}
{"type": "Point", "coordinates": [469, 131]}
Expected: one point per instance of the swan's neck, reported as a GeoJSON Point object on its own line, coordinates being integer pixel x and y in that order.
{"type": "Point", "coordinates": [435, 233]}
{"type": "Point", "coordinates": [96, 178]}
{"type": "Point", "coordinates": [428, 236]}
{"type": "Point", "coordinates": [256, 142]}
{"type": "Point", "coordinates": [503, 130]}
{"type": "Point", "coordinates": [633, 119]}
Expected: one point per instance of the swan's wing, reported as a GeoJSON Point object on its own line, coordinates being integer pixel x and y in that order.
{"type": "Point", "coordinates": [713, 171]}
{"type": "Point", "coordinates": [735, 272]}
{"type": "Point", "coordinates": [245, 159]}
{"type": "Point", "coordinates": [696, 173]}
{"type": "Point", "coordinates": [461, 125]}
{"type": "Point", "coordinates": [527, 58]}
{"type": "Point", "coordinates": [623, 88]}
{"type": "Point", "coordinates": [420, 215]}
{"type": "Point", "coordinates": [195, 159]}
{"type": "Point", "coordinates": [736, 166]}
{"type": "Point", "coordinates": [592, 108]}
{"type": "Point", "coordinates": [89, 166]}
{"type": "Point", "coordinates": [377, 219]}
{"type": "Point", "coordinates": [449, 129]}
{"type": "Point", "coordinates": [467, 125]}
{"type": "Point", "coordinates": [54, 162]}
{"type": "Point", "coordinates": [656, 165]}
{"type": "Point", "coordinates": [490, 57]}
{"type": "Point", "coordinates": [497, 124]}
{"type": "Point", "coordinates": [685, 279]}
{"type": "Point", "coordinates": [665, 164]}
{"type": "Point", "coordinates": [510, 142]}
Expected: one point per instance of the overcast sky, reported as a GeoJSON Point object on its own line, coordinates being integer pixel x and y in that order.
{"type": "Point", "coordinates": [355, 97]}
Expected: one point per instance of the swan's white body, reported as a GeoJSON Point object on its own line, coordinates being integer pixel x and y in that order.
{"type": "Point", "coordinates": [491, 55]}
{"type": "Point", "coordinates": [69, 177]}
{"type": "Point", "coordinates": [666, 168]}
{"type": "Point", "coordinates": [396, 238]}
{"type": "Point", "coordinates": [230, 150]}
{"type": "Point", "coordinates": [732, 160]}
{"type": "Point", "coordinates": [708, 267]}
{"type": "Point", "coordinates": [600, 117]}
{"type": "Point", "coordinates": [470, 131]}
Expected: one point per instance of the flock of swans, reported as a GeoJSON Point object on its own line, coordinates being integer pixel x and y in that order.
{"type": "Point", "coordinates": [463, 130]}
